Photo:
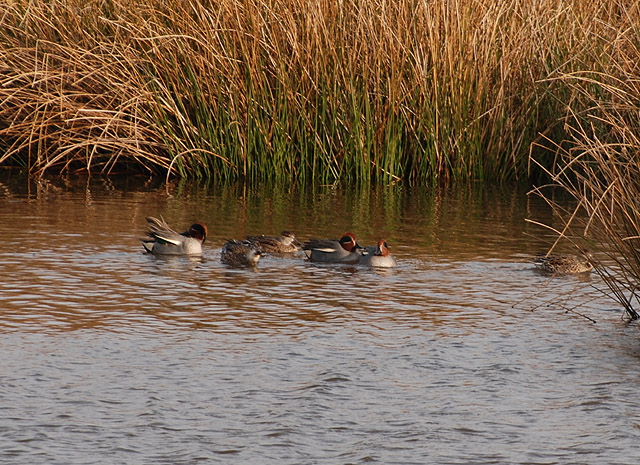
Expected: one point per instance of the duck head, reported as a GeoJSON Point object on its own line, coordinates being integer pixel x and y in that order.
{"type": "Point", "coordinates": [289, 238]}
{"type": "Point", "coordinates": [382, 249]}
{"type": "Point", "coordinates": [349, 243]}
{"type": "Point", "coordinates": [198, 231]}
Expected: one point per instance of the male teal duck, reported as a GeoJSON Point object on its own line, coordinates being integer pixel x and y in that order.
{"type": "Point", "coordinates": [286, 242]}
{"type": "Point", "coordinates": [165, 241]}
{"type": "Point", "coordinates": [378, 256]}
{"type": "Point", "coordinates": [343, 250]}
{"type": "Point", "coordinates": [240, 253]}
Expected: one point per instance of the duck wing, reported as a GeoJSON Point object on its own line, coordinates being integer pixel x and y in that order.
{"type": "Point", "coordinates": [323, 245]}
{"type": "Point", "coordinates": [160, 231]}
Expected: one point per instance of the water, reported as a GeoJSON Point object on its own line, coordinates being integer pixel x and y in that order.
{"type": "Point", "coordinates": [463, 354]}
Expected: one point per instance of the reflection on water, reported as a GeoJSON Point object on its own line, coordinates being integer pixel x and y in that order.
{"type": "Point", "coordinates": [462, 354]}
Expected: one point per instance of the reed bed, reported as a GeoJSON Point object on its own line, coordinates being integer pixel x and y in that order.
{"type": "Point", "coordinates": [425, 91]}
{"type": "Point", "coordinates": [598, 164]}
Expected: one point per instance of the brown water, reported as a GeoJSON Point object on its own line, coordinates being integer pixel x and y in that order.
{"type": "Point", "coordinates": [109, 355]}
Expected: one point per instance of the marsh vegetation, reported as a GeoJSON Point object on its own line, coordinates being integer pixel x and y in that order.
{"type": "Point", "coordinates": [368, 90]}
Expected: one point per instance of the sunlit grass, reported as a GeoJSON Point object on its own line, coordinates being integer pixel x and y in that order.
{"type": "Point", "coordinates": [599, 162]}
{"type": "Point", "coordinates": [372, 90]}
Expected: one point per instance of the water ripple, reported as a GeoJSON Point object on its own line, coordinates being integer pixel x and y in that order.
{"type": "Point", "coordinates": [463, 354]}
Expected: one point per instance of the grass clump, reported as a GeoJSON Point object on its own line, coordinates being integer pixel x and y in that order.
{"type": "Point", "coordinates": [598, 164]}
{"type": "Point", "coordinates": [291, 89]}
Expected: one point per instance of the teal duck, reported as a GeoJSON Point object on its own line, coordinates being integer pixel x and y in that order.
{"type": "Point", "coordinates": [165, 241]}
{"type": "Point", "coordinates": [240, 253]}
{"type": "Point", "coordinates": [378, 256]}
{"type": "Point", "coordinates": [343, 250]}
{"type": "Point", "coordinates": [286, 242]}
{"type": "Point", "coordinates": [564, 264]}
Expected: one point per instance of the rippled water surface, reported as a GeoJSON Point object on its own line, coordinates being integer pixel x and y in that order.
{"type": "Point", "coordinates": [463, 354]}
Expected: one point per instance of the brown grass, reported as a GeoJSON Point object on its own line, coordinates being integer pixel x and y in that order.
{"type": "Point", "coordinates": [598, 164]}
{"type": "Point", "coordinates": [371, 89]}
{"type": "Point", "coordinates": [326, 90]}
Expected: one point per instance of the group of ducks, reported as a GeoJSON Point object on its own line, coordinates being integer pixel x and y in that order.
{"type": "Point", "coordinates": [165, 241]}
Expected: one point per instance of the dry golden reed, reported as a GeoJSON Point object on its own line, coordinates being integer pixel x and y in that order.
{"type": "Point", "coordinates": [598, 162]}
{"type": "Point", "coordinates": [321, 90]}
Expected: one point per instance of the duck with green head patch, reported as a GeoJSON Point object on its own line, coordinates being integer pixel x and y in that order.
{"type": "Point", "coordinates": [378, 256]}
{"type": "Point", "coordinates": [163, 240]}
{"type": "Point", "coordinates": [343, 250]}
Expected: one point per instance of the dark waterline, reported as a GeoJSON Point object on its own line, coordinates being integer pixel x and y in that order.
{"type": "Point", "coordinates": [463, 354]}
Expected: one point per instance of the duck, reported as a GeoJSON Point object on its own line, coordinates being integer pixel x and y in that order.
{"type": "Point", "coordinates": [286, 242]}
{"type": "Point", "coordinates": [343, 250]}
{"type": "Point", "coordinates": [240, 253]}
{"type": "Point", "coordinates": [564, 264]}
{"type": "Point", "coordinates": [378, 256]}
{"type": "Point", "coordinates": [163, 240]}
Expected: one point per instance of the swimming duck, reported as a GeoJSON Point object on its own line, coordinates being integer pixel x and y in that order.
{"type": "Point", "coordinates": [378, 256]}
{"type": "Point", "coordinates": [165, 241]}
{"type": "Point", "coordinates": [344, 250]}
{"type": "Point", "coordinates": [286, 242]}
{"type": "Point", "coordinates": [564, 264]}
{"type": "Point", "coordinates": [240, 253]}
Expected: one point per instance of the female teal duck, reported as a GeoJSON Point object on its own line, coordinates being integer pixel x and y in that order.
{"type": "Point", "coordinates": [165, 241]}
{"type": "Point", "coordinates": [240, 253]}
{"type": "Point", "coordinates": [378, 256]}
{"type": "Point", "coordinates": [564, 264]}
{"type": "Point", "coordinates": [286, 242]}
{"type": "Point", "coordinates": [343, 250]}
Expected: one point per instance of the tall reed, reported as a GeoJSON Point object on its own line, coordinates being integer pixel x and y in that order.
{"type": "Point", "coordinates": [599, 162]}
{"type": "Point", "coordinates": [325, 90]}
